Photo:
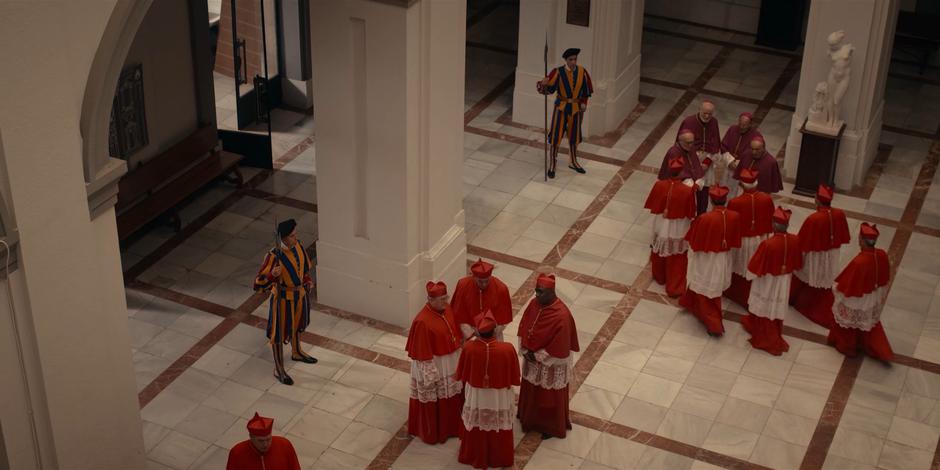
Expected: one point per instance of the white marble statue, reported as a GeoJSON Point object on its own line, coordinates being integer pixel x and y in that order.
{"type": "Point", "coordinates": [836, 83]}
{"type": "Point", "coordinates": [819, 113]}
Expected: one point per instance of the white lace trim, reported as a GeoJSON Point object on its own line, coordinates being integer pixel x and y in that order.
{"type": "Point", "coordinates": [547, 372]}
{"type": "Point", "coordinates": [741, 256]}
{"type": "Point", "coordinates": [819, 268]}
{"type": "Point", "coordinates": [709, 273]}
{"type": "Point", "coordinates": [669, 235]}
{"type": "Point", "coordinates": [488, 409]}
{"type": "Point", "coordinates": [434, 380]}
{"type": "Point", "coordinates": [770, 296]}
{"type": "Point", "coordinates": [861, 313]}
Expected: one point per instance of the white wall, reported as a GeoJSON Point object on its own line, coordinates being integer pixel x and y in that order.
{"type": "Point", "coordinates": [162, 45]}
{"type": "Point", "coordinates": [70, 267]}
{"type": "Point", "coordinates": [741, 15]}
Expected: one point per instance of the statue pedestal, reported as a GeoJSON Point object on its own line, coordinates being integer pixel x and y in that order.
{"type": "Point", "coordinates": [818, 154]}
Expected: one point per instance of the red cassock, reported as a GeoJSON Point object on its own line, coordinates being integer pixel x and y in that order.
{"type": "Point", "coordinates": [821, 235]}
{"type": "Point", "coordinates": [549, 332]}
{"type": "Point", "coordinates": [711, 238]}
{"type": "Point", "coordinates": [860, 291]}
{"type": "Point", "coordinates": [775, 259]}
{"type": "Point", "coordinates": [707, 136]}
{"type": "Point", "coordinates": [469, 301]}
{"type": "Point", "coordinates": [692, 169]}
{"type": "Point", "coordinates": [768, 171]}
{"type": "Point", "coordinates": [436, 395]}
{"type": "Point", "coordinates": [489, 368]}
{"type": "Point", "coordinates": [673, 207]}
{"type": "Point", "coordinates": [756, 210]}
{"type": "Point", "coordinates": [280, 455]}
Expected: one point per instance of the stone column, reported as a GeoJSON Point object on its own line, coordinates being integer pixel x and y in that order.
{"type": "Point", "coordinates": [68, 289]}
{"type": "Point", "coordinates": [869, 27]}
{"type": "Point", "coordinates": [610, 50]}
{"type": "Point", "coordinates": [388, 93]}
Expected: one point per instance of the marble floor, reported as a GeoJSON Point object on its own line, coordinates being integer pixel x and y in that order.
{"type": "Point", "coordinates": [651, 390]}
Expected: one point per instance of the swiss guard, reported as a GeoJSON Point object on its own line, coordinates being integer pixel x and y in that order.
{"type": "Point", "coordinates": [286, 274]}
{"type": "Point", "coordinates": [572, 86]}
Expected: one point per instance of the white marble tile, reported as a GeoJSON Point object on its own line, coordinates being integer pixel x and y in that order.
{"type": "Point", "coordinates": [178, 450]}
{"type": "Point", "coordinates": [711, 378]}
{"type": "Point", "coordinates": [319, 426]}
{"type": "Point", "coordinates": [362, 440]}
{"type": "Point", "coordinates": [232, 398]}
{"type": "Point", "coordinates": [384, 413]}
{"type": "Point", "coordinates": [596, 401]}
{"type": "Point", "coordinates": [206, 424]}
{"type": "Point", "coordinates": [639, 414]}
{"type": "Point", "coordinates": [856, 445]}
{"type": "Point", "coordinates": [366, 376]}
{"type": "Point", "coordinates": [913, 434]}
{"type": "Point", "coordinates": [578, 442]}
{"type": "Point", "coordinates": [626, 355]}
{"type": "Point", "coordinates": [684, 427]}
{"type": "Point", "coordinates": [655, 390]}
{"type": "Point", "coordinates": [333, 459]}
{"type": "Point", "coordinates": [790, 428]}
{"type": "Point", "coordinates": [775, 453]}
{"type": "Point", "coordinates": [755, 390]}
{"type": "Point", "coordinates": [730, 440]}
{"type": "Point", "coordinates": [221, 361]}
{"type": "Point", "coordinates": [342, 400]}
{"type": "Point", "coordinates": [895, 456]}
{"type": "Point", "coordinates": [765, 367]}
{"type": "Point", "coordinates": [548, 459]}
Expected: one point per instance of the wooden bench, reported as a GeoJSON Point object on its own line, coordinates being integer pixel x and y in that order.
{"type": "Point", "coordinates": [156, 187]}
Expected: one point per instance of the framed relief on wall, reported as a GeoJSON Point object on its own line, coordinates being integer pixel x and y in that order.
{"type": "Point", "coordinates": [579, 11]}
{"type": "Point", "coordinates": [128, 129]}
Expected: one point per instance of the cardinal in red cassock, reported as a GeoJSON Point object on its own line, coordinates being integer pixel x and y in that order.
{"type": "Point", "coordinates": [860, 292]}
{"type": "Point", "coordinates": [673, 206]}
{"type": "Point", "coordinates": [821, 235]}
{"type": "Point", "coordinates": [758, 158]}
{"type": "Point", "coordinates": [692, 167]}
{"type": "Point", "coordinates": [736, 142]}
{"type": "Point", "coordinates": [756, 210]}
{"type": "Point", "coordinates": [489, 367]}
{"type": "Point", "coordinates": [711, 238]}
{"type": "Point", "coordinates": [547, 337]}
{"type": "Point", "coordinates": [477, 293]}
{"type": "Point", "coordinates": [262, 451]}
{"type": "Point", "coordinates": [434, 348]}
{"type": "Point", "coordinates": [770, 267]}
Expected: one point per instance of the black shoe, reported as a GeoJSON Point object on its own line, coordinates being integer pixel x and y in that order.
{"type": "Point", "coordinates": [546, 435]}
{"type": "Point", "coordinates": [283, 378]}
{"type": "Point", "coordinates": [578, 169]}
{"type": "Point", "coordinates": [551, 174]}
{"type": "Point", "coordinates": [305, 359]}
{"type": "Point", "coordinates": [714, 335]}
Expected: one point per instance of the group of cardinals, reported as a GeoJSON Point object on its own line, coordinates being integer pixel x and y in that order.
{"type": "Point", "coordinates": [741, 249]}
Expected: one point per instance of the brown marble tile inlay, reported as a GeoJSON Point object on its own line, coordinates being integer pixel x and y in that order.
{"type": "Point", "coordinates": [773, 94]}
{"type": "Point", "coordinates": [282, 200]}
{"type": "Point", "coordinates": [662, 443]}
{"type": "Point", "coordinates": [489, 98]}
{"type": "Point", "coordinates": [392, 450]}
{"type": "Point", "coordinates": [539, 145]}
{"type": "Point", "coordinates": [818, 446]}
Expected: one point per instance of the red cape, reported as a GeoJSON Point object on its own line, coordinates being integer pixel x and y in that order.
{"type": "Point", "coordinates": [672, 199]}
{"type": "Point", "coordinates": [768, 171]}
{"type": "Point", "coordinates": [711, 228]}
{"type": "Point", "coordinates": [779, 254]}
{"type": "Point", "coordinates": [736, 143]}
{"type": "Point", "coordinates": [433, 334]}
{"type": "Point", "coordinates": [756, 210]}
{"type": "Point", "coordinates": [467, 303]}
{"type": "Point", "coordinates": [707, 136]}
{"type": "Point", "coordinates": [281, 455]}
{"type": "Point", "coordinates": [501, 365]}
{"type": "Point", "coordinates": [866, 272]}
{"type": "Point", "coordinates": [554, 331]}
{"type": "Point", "coordinates": [824, 230]}
{"type": "Point", "coordinates": [693, 167]}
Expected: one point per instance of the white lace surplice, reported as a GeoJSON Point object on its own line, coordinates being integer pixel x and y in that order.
{"type": "Point", "coordinates": [488, 409]}
{"type": "Point", "coordinates": [861, 313]}
{"type": "Point", "coordinates": [741, 256]}
{"type": "Point", "coordinates": [669, 235]}
{"type": "Point", "coordinates": [434, 380]}
{"type": "Point", "coordinates": [709, 273]}
{"type": "Point", "coordinates": [819, 268]}
{"type": "Point", "coordinates": [770, 296]}
{"type": "Point", "coordinates": [547, 372]}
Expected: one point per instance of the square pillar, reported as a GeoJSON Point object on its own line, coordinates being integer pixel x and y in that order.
{"type": "Point", "coordinates": [388, 93]}
{"type": "Point", "coordinates": [869, 28]}
{"type": "Point", "coordinates": [610, 50]}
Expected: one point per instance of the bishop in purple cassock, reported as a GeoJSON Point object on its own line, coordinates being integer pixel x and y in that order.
{"type": "Point", "coordinates": [768, 179]}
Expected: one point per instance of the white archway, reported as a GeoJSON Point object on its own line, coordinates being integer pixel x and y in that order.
{"type": "Point", "coordinates": [101, 171]}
